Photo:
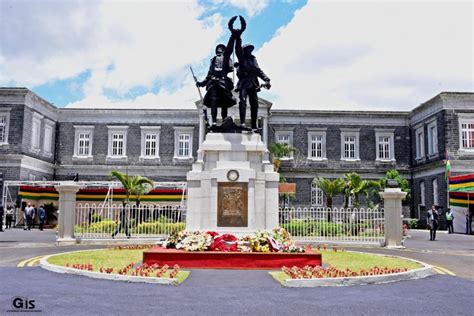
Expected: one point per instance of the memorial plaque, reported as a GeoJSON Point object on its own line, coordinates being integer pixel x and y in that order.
{"type": "Point", "coordinates": [232, 204]}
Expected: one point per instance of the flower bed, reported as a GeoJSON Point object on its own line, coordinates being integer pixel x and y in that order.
{"type": "Point", "coordinates": [278, 240]}
{"type": "Point", "coordinates": [144, 270]}
{"type": "Point", "coordinates": [318, 272]}
{"type": "Point", "coordinates": [117, 263]}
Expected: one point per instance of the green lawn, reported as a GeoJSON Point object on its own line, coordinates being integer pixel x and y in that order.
{"type": "Point", "coordinates": [357, 261]}
{"type": "Point", "coordinates": [107, 258]}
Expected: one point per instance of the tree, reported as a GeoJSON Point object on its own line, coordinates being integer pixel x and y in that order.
{"type": "Point", "coordinates": [133, 185]}
{"type": "Point", "coordinates": [278, 151]}
{"type": "Point", "coordinates": [331, 188]}
{"type": "Point", "coordinates": [393, 174]}
{"type": "Point", "coordinates": [355, 186]}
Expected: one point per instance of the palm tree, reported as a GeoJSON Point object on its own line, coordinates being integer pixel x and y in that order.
{"type": "Point", "coordinates": [393, 174]}
{"type": "Point", "coordinates": [331, 188]}
{"type": "Point", "coordinates": [133, 185]}
{"type": "Point", "coordinates": [355, 186]}
{"type": "Point", "coordinates": [278, 151]}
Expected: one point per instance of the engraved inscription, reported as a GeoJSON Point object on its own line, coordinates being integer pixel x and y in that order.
{"type": "Point", "coordinates": [232, 204]}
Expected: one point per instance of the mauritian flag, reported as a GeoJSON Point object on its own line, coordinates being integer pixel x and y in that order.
{"type": "Point", "coordinates": [447, 172]}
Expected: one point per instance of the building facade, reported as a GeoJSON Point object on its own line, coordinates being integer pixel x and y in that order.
{"type": "Point", "coordinates": [39, 141]}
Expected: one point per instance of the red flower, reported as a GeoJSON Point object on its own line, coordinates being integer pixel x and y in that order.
{"type": "Point", "coordinates": [213, 234]}
{"type": "Point", "coordinates": [229, 237]}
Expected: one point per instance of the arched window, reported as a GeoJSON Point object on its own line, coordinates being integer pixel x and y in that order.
{"type": "Point", "coordinates": [317, 195]}
{"type": "Point", "coordinates": [435, 192]}
{"type": "Point", "coordinates": [422, 193]}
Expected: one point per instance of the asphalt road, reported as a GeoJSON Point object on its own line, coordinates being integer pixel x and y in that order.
{"type": "Point", "coordinates": [234, 292]}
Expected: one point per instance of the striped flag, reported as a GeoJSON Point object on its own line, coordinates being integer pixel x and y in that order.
{"type": "Point", "coordinates": [447, 172]}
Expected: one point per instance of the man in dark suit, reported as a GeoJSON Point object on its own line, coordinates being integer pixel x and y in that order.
{"type": "Point", "coordinates": [1, 217]}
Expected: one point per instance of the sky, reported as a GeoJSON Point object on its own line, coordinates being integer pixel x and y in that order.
{"type": "Point", "coordinates": [320, 55]}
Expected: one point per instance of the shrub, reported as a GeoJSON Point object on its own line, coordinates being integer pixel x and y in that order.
{"type": "Point", "coordinates": [413, 223]}
{"type": "Point", "coordinates": [327, 229]}
{"type": "Point", "coordinates": [106, 226]}
{"type": "Point", "coordinates": [95, 218]}
{"type": "Point", "coordinates": [296, 228]}
{"type": "Point", "coordinates": [158, 228]}
{"type": "Point", "coordinates": [313, 228]}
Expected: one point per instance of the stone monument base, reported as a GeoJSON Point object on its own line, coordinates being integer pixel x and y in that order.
{"type": "Point", "coordinates": [233, 188]}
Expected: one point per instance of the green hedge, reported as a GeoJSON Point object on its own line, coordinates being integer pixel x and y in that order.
{"type": "Point", "coordinates": [105, 226]}
{"type": "Point", "coordinates": [158, 228]}
{"type": "Point", "coordinates": [323, 228]}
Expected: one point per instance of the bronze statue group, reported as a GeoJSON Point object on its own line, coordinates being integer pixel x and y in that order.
{"type": "Point", "coordinates": [219, 86]}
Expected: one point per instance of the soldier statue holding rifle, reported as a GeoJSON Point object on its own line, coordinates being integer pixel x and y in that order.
{"type": "Point", "coordinates": [219, 86]}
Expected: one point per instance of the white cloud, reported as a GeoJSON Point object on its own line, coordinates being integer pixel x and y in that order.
{"type": "Point", "coordinates": [182, 98]}
{"type": "Point", "coordinates": [122, 44]}
{"type": "Point", "coordinates": [252, 7]}
{"type": "Point", "coordinates": [368, 55]}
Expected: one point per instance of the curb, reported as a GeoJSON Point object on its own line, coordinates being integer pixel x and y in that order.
{"type": "Point", "coordinates": [104, 276]}
{"type": "Point", "coordinates": [420, 273]}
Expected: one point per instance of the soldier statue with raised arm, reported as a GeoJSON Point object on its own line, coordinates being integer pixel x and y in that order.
{"type": "Point", "coordinates": [248, 73]}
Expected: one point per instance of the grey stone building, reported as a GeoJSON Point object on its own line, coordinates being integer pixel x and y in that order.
{"type": "Point", "coordinates": [41, 142]}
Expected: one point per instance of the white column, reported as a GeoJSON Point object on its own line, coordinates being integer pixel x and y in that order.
{"type": "Point", "coordinates": [265, 130]}
{"type": "Point", "coordinates": [393, 216]}
{"type": "Point", "coordinates": [67, 211]}
{"type": "Point", "coordinates": [202, 134]}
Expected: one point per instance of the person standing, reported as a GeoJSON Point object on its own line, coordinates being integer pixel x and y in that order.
{"type": "Point", "coordinates": [432, 219]}
{"type": "Point", "coordinates": [123, 224]}
{"type": "Point", "coordinates": [1, 218]}
{"type": "Point", "coordinates": [29, 215]}
{"type": "Point", "coordinates": [9, 216]}
{"type": "Point", "coordinates": [449, 220]}
{"type": "Point", "coordinates": [41, 216]}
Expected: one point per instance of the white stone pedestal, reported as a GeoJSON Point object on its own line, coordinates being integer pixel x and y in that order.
{"type": "Point", "coordinates": [67, 210]}
{"type": "Point", "coordinates": [393, 216]}
{"type": "Point", "coordinates": [219, 154]}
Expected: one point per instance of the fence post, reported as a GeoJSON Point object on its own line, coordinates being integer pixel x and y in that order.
{"type": "Point", "coordinates": [67, 211]}
{"type": "Point", "coordinates": [393, 197]}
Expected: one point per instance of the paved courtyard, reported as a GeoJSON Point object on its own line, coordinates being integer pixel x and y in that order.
{"type": "Point", "coordinates": [236, 292]}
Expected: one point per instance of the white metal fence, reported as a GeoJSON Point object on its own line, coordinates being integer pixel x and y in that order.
{"type": "Point", "coordinates": [338, 225]}
{"type": "Point", "coordinates": [148, 220]}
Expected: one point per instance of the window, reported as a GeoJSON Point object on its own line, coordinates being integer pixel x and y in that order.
{"type": "Point", "coordinates": [183, 142]}
{"type": "Point", "coordinates": [350, 201]}
{"type": "Point", "coordinates": [467, 134]}
{"type": "Point", "coordinates": [83, 141]}
{"type": "Point", "coordinates": [435, 191]}
{"type": "Point", "coordinates": [117, 142]}
{"type": "Point", "coordinates": [432, 138]}
{"type": "Point", "coordinates": [36, 131]}
{"type": "Point", "coordinates": [317, 195]}
{"type": "Point", "coordinates": [4, 124]}
{"type": "Point", "coordinates": [317, 145]}
{"type": "Point", "coordinates": [422, 193]}
{"type": "Point", "coordinates": [48, 136]}
{"type": "Point", "coordinates": [84, 144]}
{"type": "Point", "coordinates": [420, 143]}
{"type": "Point", "coordinates": [350, 144]}
{"type": "Point", "coordinates": [150, 145]}
{"type": "Point", "coordinates": [183, 145]}
{"type": "Point", "coordinates": [150, 142]}
{"type": "Point", "coordinates": [385, 145]}
{"type": "Point", "coordinates": [285, 137]}
{"type": "Point", "coordinates": [349, 147]}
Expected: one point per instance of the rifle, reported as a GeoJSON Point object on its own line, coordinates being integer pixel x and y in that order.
{"type": "Point", "coordinates": [204, 110]}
